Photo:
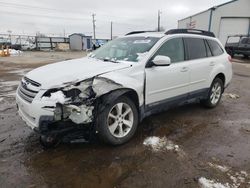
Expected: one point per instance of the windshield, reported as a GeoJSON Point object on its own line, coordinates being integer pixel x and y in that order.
{"type": "Point", "coordinates": [125, 49]}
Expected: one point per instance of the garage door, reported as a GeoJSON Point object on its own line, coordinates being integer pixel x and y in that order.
{"type": "Point", "coordinates": [233, 26]}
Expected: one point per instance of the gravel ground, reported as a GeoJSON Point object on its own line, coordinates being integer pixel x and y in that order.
{"type": "Point", "coordinates": [187, 146]}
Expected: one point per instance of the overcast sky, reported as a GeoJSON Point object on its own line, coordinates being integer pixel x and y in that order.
{"type": "Point", "coordinates": [59, 16]}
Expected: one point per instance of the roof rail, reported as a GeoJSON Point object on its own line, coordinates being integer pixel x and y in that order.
{"type": "Point", "coordinates": [190, 31]}
{"type": "Point", "coordinates": [137, 32]}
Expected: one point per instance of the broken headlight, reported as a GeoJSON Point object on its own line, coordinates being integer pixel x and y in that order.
{"type": "Point", "coordinates": [75, 93]}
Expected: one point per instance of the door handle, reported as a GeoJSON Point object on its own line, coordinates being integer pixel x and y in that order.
{"type": "Point", "coordinates": [212, 63]}
{"type": "Point", "coordinates": [184, 69]}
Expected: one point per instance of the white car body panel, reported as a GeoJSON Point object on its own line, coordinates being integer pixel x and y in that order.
{"type": "Point", "coordinates": [57, 74]}
{"type": "Point", "coordinates": [166, 82]}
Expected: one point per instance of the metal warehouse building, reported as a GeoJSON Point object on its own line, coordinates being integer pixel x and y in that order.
{"type": "Point", "coordinates": [230, 18]}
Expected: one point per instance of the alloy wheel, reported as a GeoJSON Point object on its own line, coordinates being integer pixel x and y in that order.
{"type": "Point", "coordinates": [120, 120]}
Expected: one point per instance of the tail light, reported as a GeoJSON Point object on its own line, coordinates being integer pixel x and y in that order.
{"type": "Point", "coordinates": [230, 59]}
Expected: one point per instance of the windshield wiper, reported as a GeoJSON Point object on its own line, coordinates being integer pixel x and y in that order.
{"type": "Point", "coordinates": [109, 60]}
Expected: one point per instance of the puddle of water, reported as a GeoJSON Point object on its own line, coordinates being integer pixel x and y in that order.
{"type": "Point", "coordinates": [97, 166]}
{"type": "Point", "coordinates": [9, 83]}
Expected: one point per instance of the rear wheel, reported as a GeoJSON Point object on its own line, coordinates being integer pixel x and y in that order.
{"type": "Point", "coordinates": [214, 95]}
{"type": "Point", "coordinates": [118, 121]}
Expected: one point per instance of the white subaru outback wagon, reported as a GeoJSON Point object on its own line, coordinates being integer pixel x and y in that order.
{"type": "Point", "coordinates": [114, 88]}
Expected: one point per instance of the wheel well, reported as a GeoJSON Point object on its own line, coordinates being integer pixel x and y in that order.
{"type": "Point", "coordinates": [113, 95]}
{"type": "Point", "coordinates": [222, 77]}
{"type": "Point", "coordinates": [133, 96]}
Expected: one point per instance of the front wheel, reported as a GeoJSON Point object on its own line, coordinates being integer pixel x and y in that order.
{"type": "Point", "coordinates": [215, 94]}
{"type": "Point", "coordinates": [49, 141]}
{"type": "Point", "coordinates": [118, 121]}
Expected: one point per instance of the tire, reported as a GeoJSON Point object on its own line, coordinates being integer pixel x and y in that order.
{"type": "Point", "coordinates": [111, 121]}
{"type": "Point", "coordinates": [49, 141]}
{"type": "Point", "coordinates": [231, 53]}
{"type": "Point", "coordinates": [214, 94]}
{"type": "Point", "coordinates": [245, 56]}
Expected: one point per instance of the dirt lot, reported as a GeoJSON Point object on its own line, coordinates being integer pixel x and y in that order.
{"type": "Point", "coordinates": [197, 145]}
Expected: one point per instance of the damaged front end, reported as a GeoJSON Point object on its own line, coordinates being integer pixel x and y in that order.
{"type": "Point", "coordinates": [74, 105]}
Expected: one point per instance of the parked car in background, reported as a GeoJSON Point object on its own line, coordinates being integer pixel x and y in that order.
{"type": "Point", "coordinates": [117, 86]}
{"type": "Point", "coordinates": [238, 45]}
{"type": "Point", "coordinates": [28, 46]}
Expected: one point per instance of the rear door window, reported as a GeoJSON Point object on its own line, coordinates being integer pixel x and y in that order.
{"type": "Point", "coordinates": [244, 41]}
{"type": "Point", "coordinates": [215, 48]}
{"type": "Point", "coordinates": [196, 48]}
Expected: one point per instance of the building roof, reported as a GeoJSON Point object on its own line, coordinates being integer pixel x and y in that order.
{"type": "Point", "coordinates": [212, 8]}
{"type": "Point", "coordinates": [80, 34]}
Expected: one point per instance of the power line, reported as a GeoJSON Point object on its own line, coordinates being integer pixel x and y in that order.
{"type": "Point", "coordinates": [28, 6]}
{"type": "Point", "coordinates": [52, 9]}
{"type": "Point", "coordinates": [111, 30]}
{"type": "Point", "coordinates": [47, 16]}
{"type": "Point", "coordinates": [159, 20]}
{"type": "Point", "coordinates": [48, 9]}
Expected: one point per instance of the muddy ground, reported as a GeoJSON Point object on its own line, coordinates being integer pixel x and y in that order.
{"type": "Point", "coordinates": [198, 144]}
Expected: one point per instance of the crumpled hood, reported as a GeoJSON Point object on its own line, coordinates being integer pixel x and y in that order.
{"type": "Point", "coordinates": [57, 74]}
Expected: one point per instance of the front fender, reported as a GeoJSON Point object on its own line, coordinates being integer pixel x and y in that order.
{"type": "Point", "coordinates": [126, 82]}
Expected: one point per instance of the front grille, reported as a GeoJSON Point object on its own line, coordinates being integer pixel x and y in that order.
{"type": "Point", "coordinates": [28, 89]}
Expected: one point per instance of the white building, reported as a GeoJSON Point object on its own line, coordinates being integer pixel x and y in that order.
{"type": "Point", "coordinates": [230, 18]}
{"type": "Point", "coordinates": [78, 41]}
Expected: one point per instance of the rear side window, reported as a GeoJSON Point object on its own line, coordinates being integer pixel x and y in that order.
{"type": "Point", "coordinates": [174, 49]}
{"type": "Point", "coordinates": [244, 41]}
{"type": "Point", "coordinates": [209, 53]}
{"type": "Point", "coordinates": [196, 48]}
{"type": "Point", "coordinates": [215, 48]}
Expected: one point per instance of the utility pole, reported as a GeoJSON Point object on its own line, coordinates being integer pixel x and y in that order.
{"type": "Point", "coordinates": [159, 20]}
{"type": "Point", "coordinates": [64, 33]}
{"type": "Point", "coordinates": [93, 16]}
{"type": "Point", "coordinates": [111, 31]}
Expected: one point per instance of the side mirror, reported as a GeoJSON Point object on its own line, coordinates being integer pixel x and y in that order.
{"type": "Point", "coordinates": [161, 60]}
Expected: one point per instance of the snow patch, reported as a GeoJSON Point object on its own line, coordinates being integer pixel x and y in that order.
{"type": "Point", "coordinates": [14, 52]}
{"type": "Point", "coordinates": [231, 95]}
{"type": "Point", "coordinates": [158, 144]}
{"type": "Point", "coordinates": [206, 183]}
{"type": "Point", "coordinates": [237, 178]}
{"type": "Point", "coordinates": [219, 167]}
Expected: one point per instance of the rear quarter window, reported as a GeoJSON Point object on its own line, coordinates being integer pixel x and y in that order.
{"type": "Point", "coordinates": [196, 48]}
{"type": "Point", "coordinates": [215, 48]}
